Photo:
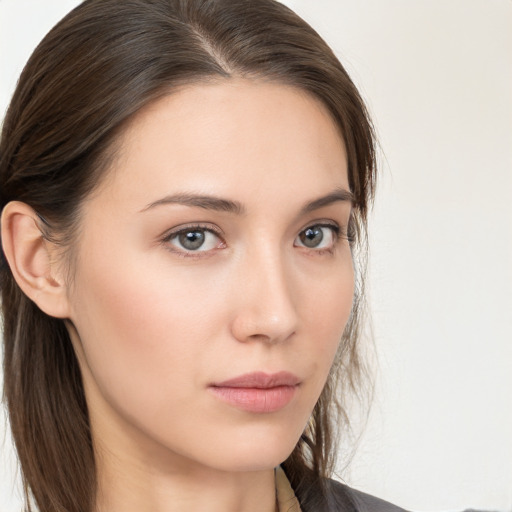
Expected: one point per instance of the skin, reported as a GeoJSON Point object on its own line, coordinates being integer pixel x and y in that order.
{"type": "Point", "coordinates": [155, 324]}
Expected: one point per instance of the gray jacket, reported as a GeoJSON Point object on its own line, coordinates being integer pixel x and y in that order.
{"type": "Point", "coordinates": [338, 497]}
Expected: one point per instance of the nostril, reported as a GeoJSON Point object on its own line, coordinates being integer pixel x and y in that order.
{"type": "Point", "coordinates": [266, 310]}
{"type": "Point", "coordinates": [260, 337]}
{"type": "Point", "coordinates": [255, 325]}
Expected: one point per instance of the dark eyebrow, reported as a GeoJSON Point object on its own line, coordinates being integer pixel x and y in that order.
{"type": "Point", "coordinates": [339, 194]}
{"type": "Point", "coordinates": [200, 201]}
{"type": "Point", "coordinates": [230, 206]}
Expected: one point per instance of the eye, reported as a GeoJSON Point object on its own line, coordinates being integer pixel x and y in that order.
{"type": "Point", "coordinates": [319, 236]}
{"type": "Point", "coordinates": [194, 239]}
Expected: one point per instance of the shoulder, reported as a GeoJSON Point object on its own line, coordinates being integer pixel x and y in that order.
{"type": "Point", "coordinates": [340, 495]}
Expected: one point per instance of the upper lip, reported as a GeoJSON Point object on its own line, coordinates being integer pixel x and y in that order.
{"type": "Point", "coordinates": [260, 380]}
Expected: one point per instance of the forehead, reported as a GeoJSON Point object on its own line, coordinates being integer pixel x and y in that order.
{"type": "Point", "coordinates": [230, 137]}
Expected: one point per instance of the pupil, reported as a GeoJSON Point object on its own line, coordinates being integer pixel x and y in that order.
{"type": "Point", "coordinates": [311, 237]}
{"type": "Point", "coordinates": [192, 240]}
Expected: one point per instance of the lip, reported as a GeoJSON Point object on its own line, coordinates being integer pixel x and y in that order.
{"type": "Point", "coordinates": [257, 392]}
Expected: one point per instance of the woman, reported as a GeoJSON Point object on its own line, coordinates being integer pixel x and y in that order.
{"type": "Point", "coordinates": [184, 193]}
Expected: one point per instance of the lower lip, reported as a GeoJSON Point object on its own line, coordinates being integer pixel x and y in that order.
{"type": "Point", "coordinates": [259, 400]}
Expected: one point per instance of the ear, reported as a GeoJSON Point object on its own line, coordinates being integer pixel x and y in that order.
{"type": "Point", "coordinates": [32, 259]}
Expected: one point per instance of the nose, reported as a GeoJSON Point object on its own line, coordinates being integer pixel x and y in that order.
{"type": "Point", "coordinates": [265, 310]}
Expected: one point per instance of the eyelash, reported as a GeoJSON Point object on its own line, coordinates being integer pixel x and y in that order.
{"type": "Point", "coordinates": [191, 228]}
{"type": "Point", "coordinates": [338, 232]}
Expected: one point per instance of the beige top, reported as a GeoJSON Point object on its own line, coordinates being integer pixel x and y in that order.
{"type": "Point", "coordinates": [285, 497]}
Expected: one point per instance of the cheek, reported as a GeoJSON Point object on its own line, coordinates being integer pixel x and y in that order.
{"type": "Point", "coordinates": [140, 330]}
{"type": "Point", "coordinates": [327, 302]}
{"type": "Point", "coordinates": [328, 299]}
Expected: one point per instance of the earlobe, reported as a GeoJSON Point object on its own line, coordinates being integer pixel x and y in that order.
{"type": "Point", "coordinates": [32, 259]}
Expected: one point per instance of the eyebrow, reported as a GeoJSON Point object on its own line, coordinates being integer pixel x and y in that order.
{"type": "Point", "coordinates": [208, 202]}
{"type": "Point", "coordinates": [200, 201]}
{"type": "Point", "coordinates": [339, 194]}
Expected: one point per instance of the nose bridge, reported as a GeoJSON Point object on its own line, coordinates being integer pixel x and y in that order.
{"type": "Point", "coordinates": [266, 309]}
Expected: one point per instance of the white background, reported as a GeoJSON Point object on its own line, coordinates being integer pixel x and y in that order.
{"type": "Point", "coordinates": [437, 75]}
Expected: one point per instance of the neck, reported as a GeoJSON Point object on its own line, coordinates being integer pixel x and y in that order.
{"type": "Point", "coordinates": [136, 476]}
{"type": "Point", "coordinates": [142, 489]}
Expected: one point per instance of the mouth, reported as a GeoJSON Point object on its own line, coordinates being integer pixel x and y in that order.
{"type": "Point", "coordinates": [258, 392]}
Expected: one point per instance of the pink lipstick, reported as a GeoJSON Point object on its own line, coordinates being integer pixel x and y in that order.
{"type": "Point", "coordinates": [257, 392]}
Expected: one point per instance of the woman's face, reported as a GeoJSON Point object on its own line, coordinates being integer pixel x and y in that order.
{"type": "Point", "coordinates": [214, 277]}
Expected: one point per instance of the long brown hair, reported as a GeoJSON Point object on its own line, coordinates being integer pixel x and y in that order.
{"type": "Point", "coordinates": [96, 68]}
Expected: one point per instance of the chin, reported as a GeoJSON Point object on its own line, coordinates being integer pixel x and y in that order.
{"type": "Point", "coordinates": [257, 452]}
{"type": "Point", "coordinates": [242, 462]}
